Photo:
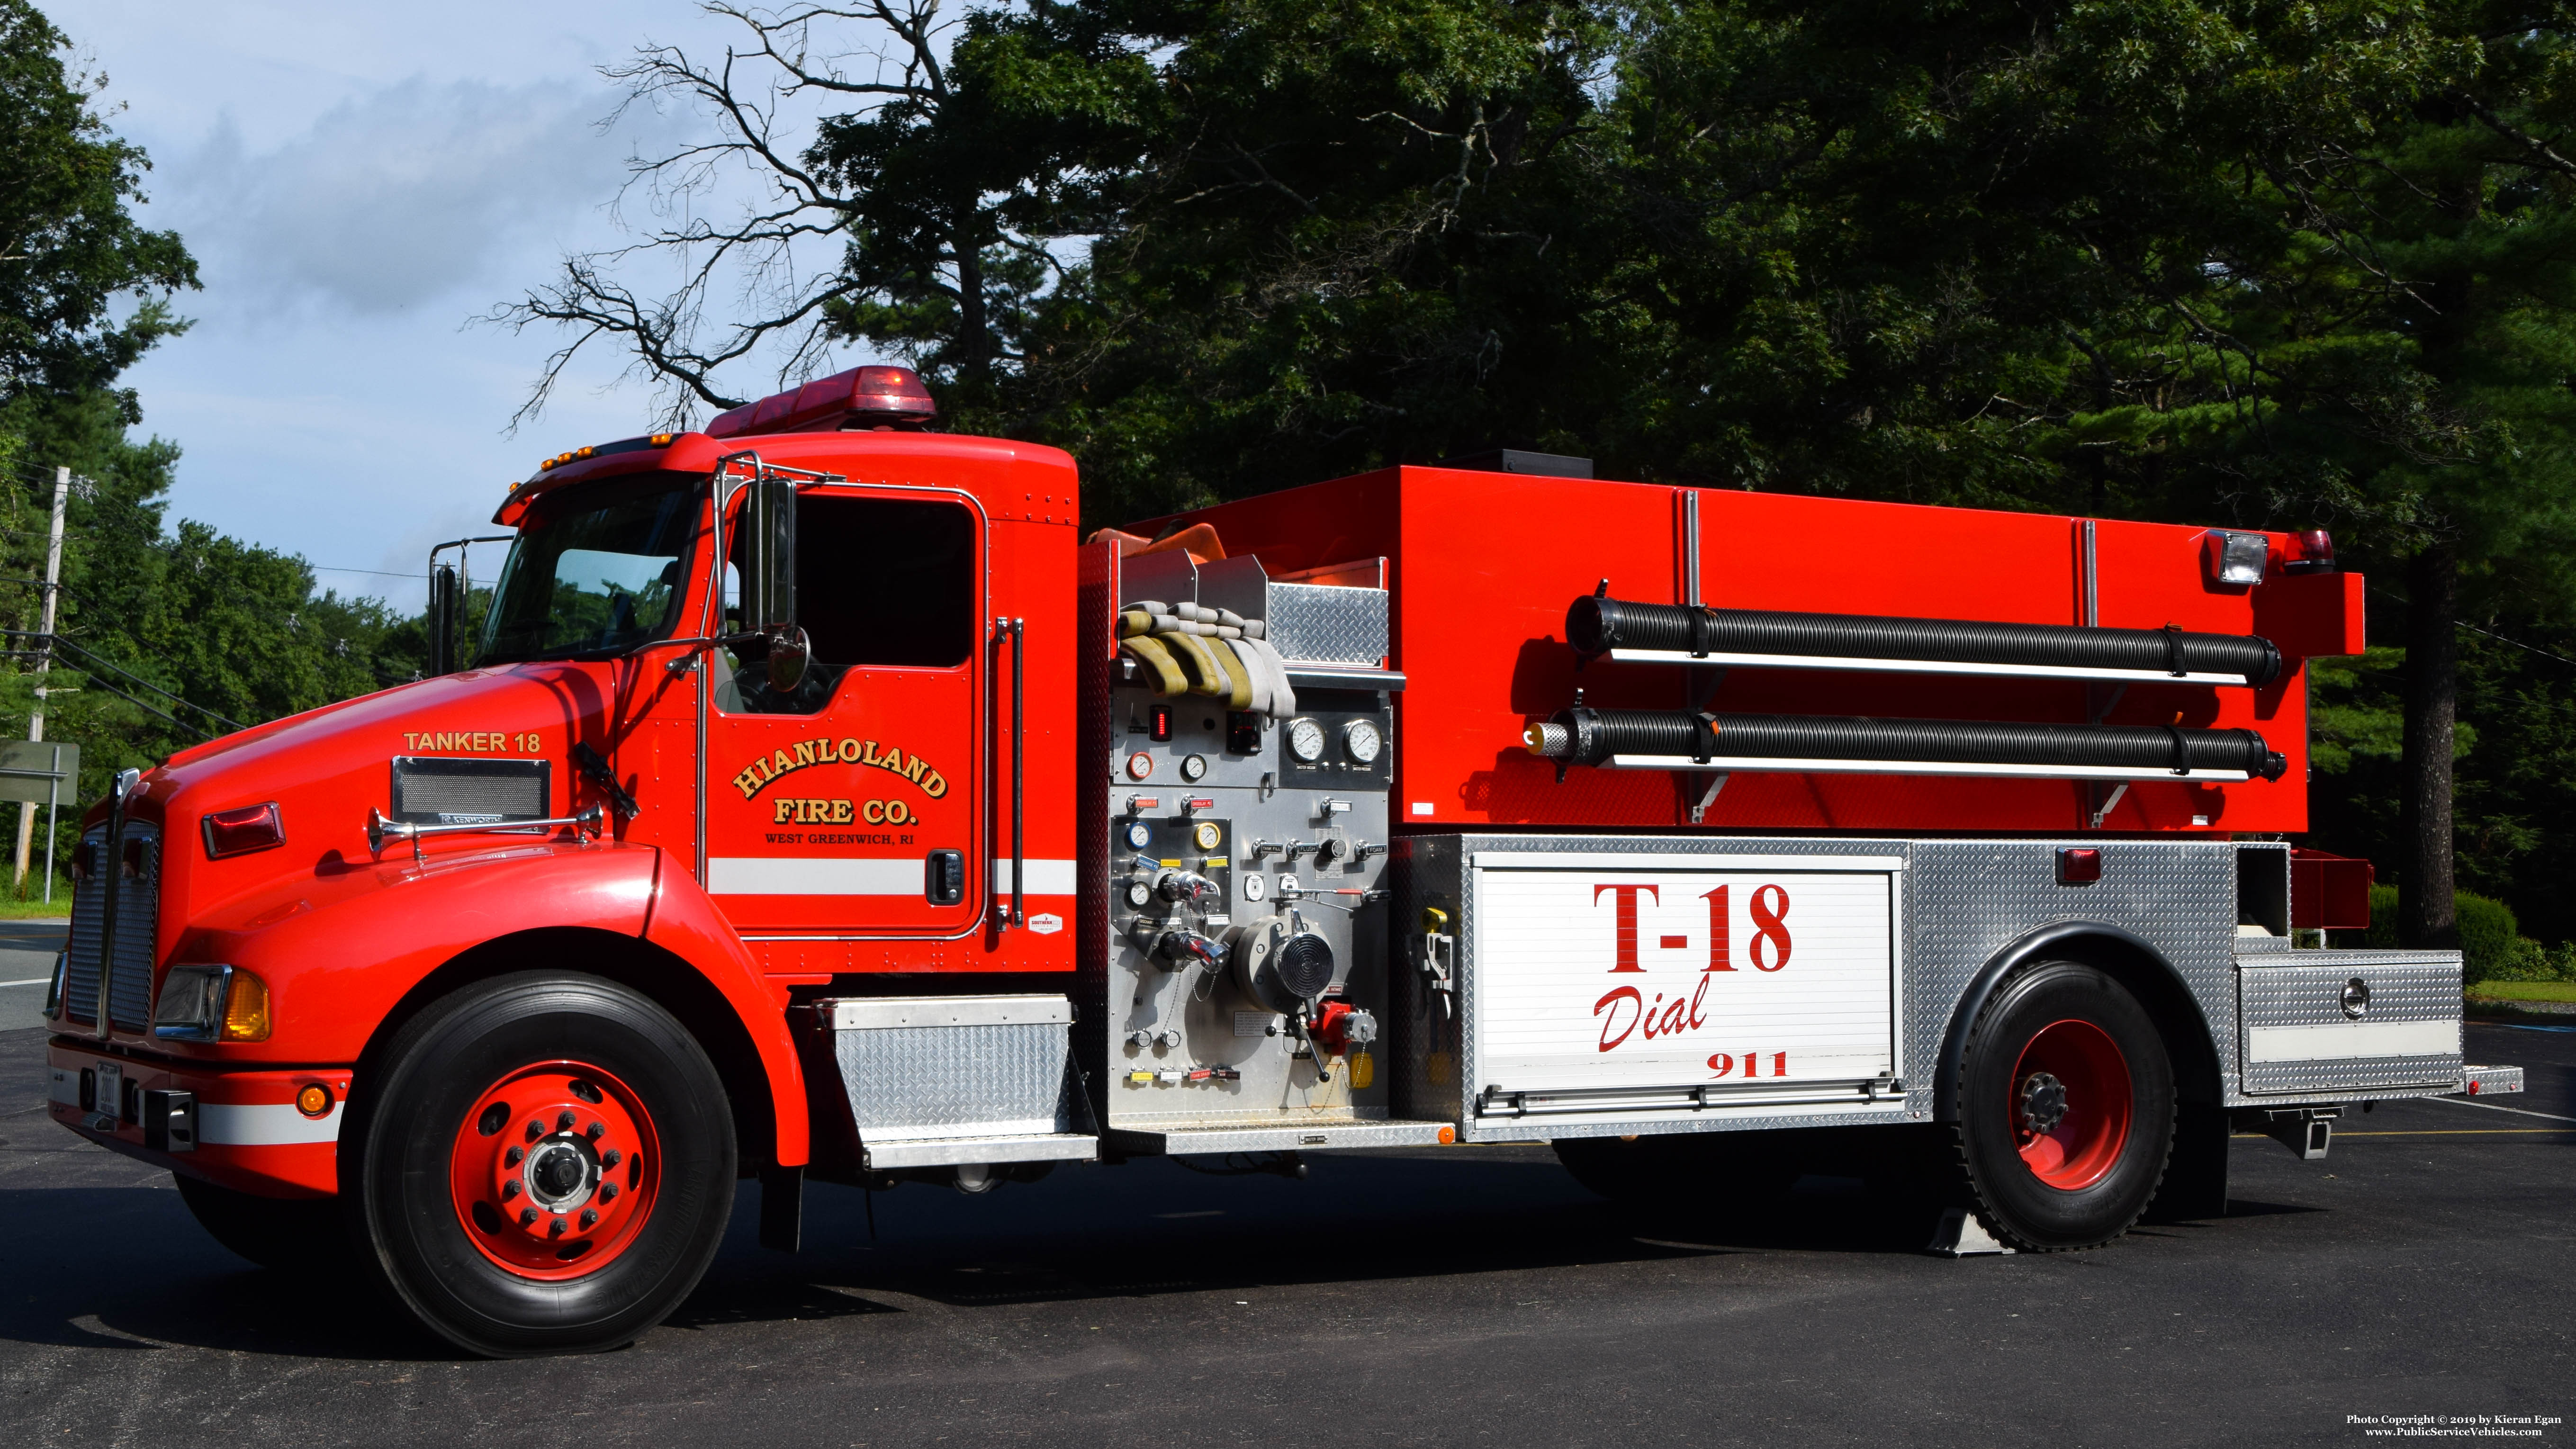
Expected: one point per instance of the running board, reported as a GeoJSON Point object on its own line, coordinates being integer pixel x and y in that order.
{"type": "Point", "coordinates": [960, 1151]}
{"type": "Point", "coordinates": [1193, 1141]}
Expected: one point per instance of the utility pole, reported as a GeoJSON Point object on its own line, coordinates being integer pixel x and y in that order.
{"type": "Point", "coordinates": [44, 664]}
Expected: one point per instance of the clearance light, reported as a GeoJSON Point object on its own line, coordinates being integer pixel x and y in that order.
{"type": "Point", "coordinates": [2311, 552]}
{"type": "Point", "coordinates": [2078, 865]}
{"type": "Point", "coordinates": [314, 1100]}
{"type": "Point", "coordinates": [239, 832]}
{"type": "Point", "coordinates": [2235, 559]}
{"type": "Point", "coordinates": [211, 1003]}
{"type": "Point", "coordinates": [663, 440]}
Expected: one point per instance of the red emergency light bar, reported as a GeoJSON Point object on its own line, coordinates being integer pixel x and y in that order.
{"type": "Point", "coordinates": [863, 397]}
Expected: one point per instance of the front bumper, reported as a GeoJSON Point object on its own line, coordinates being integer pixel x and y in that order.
{"type": "Point", "coordinates": [239, 1129]}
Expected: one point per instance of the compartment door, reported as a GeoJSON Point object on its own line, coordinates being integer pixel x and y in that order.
{"type": "Point", "coordinates": [1614, 983]}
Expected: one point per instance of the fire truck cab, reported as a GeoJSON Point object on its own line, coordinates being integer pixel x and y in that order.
{"type": "Point", "coordinates": [815, 802]}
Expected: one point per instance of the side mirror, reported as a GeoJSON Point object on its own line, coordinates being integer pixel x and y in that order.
{"type": "Point", "coordinates": [789, 653]}
{"type": "Point", "coordinates": [443, 615]}
{"type": "Point", "coordinates": [769, 555]}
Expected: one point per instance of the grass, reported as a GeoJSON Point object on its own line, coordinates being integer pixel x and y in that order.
{"type": "Point", "coordinates": [2525, 990]}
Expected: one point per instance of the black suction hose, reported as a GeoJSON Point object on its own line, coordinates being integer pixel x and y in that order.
{"type": "Point", "coordinates": [1595, 625]}
{"type": "Point", "coordinates": [1586, 736]}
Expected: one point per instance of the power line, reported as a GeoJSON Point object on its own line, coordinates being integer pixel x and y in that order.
{"type": "Point", "coordinates": [139, 679]}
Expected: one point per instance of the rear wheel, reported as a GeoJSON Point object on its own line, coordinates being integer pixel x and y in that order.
{"type": "Point", "coordinates": [546, 1167]}
{"type": "Point", "coordinates": [2066, 1108]}
{"type": "Point", "coordinates": [292, 1234]}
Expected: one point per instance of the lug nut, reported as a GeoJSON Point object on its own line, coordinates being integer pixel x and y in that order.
{"type": "Point", "coordinates": [509, 1189]}
{"type": "Point", "coordinates": [527, 1217]}
{"type": "Point", "coordinates": [608, 1192]}
{"type": "Point", "coordinates": [612, 1159]}
{"type": "Point", "coordinates": [589, 1216]}
{"type": "Point", "coordinates": [595, 1131]}
{"type": "Point", "coordinates": [512, 1157]}
{"type": "Point", "coordinates": [536, 1129]}
{"type": "Point", "coordinates": [563, 1121]}
{"type": "Point", "coordinates": [555, 1229]}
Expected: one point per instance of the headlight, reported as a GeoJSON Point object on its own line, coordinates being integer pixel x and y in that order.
{"type": "Point", "coordinates": [211, 1003]}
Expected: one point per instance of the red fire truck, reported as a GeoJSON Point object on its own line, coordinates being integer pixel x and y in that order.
{"type": "Point", "coordinates": [815, 802]}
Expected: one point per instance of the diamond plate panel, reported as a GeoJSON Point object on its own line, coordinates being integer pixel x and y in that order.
{"type": "Point", "coordinates": [1316, 623]}
{"type": "Point", "coordinates": [1972, 898]}
{"type": "Point", "coordinates": [2405, 986]}
{"type": "Point", "coordinates": [138, 914]}
{"type": "Point", "coordinates": [956, 1081]}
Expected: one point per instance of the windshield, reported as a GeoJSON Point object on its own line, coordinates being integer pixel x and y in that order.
{"type": "Point", "coordinates": [599, 573]}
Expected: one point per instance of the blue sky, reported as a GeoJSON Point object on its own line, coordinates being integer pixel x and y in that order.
{"type": "Point", "coordinates": [358, 182]}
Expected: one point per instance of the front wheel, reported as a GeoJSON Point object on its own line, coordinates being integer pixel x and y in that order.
{"type": "Point", "coordinates": [2066, 1108]}
{"type": "Point", "coordinates": [546, 1166]}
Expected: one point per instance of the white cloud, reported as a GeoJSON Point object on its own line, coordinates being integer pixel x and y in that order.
{"type": "Point", "coordinates": [408, 195]}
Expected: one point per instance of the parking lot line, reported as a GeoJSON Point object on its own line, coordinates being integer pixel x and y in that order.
{"type": "Point", "coordinates": [2492, 1107]}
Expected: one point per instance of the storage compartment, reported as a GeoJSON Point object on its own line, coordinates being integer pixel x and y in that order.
{"type": "Point", "coordinates": [2338, 1021]}
{"type": "Point", "coordinates": [1563, 986]}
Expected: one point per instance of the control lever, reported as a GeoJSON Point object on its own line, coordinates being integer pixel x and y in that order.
{"type": "Point", "coordinates": [1297, 848]}
{"type": "Point", "coordinates": [1183, 885]}
{"type": "Point", "coordinates": [1261, 848]}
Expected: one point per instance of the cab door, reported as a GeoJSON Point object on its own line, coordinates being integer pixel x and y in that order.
{"type": "Point", "coordinates": [854, 805]}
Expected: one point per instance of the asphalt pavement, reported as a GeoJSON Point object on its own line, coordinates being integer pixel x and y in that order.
{"type": "Point", "coordinates": [1443, 1296]}
{"type": "Point", "coordinates": [27, 950]}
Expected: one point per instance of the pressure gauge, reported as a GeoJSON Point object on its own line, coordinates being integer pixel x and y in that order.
{"type": "Point", "coordinates": [1140, 765]}
{"type": "Point", "coordinates": [1361, 738]}
{"type": "Point", "coordinates": [1255, 885]}
{"type": "Point", "coordinates": [1193, 768]}
{"type": "Point", "coordinates": [1209, 834]}
{"type": "Point", "coordinates": [1306, 740]}
{"type": "Point", "coordinates": [1139, 835]}
{"type": "Point", "coordinates": [1139, 893]}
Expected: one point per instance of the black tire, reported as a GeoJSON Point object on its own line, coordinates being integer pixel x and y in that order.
{"type": "Point", "coordinates": [1711, 1176]}
{"type": "Point", "coordinates": [2087, 1206]}
{"type": "Point", "coordinates": [289, 1234]}
{"type": "Point", "coordinates": [437, 1069]}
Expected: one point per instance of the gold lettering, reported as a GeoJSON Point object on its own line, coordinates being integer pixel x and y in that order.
{"type": "Point", "coordinates": [840, 812]}
{"type": "Point", "coordinates": [893, 760]}
{"type": "Point", "coordinates": [779, 810]}
{"type": "Point", "coordinates": [748, 782]}
{"type": "Point", "coordinates": [869, 756]}
{"type": "Point", "coordinates": [804, 754]}
{"type": "Point", "coordinates": [779, 764]}
{"type": "Point", "coordinates": [849, 751]}
{"type": "Point", "coordinates": [915, 768]}
{"type": "Point", "coordinates": [935, 786]}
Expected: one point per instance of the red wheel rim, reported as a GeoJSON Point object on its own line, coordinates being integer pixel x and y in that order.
{"type": "Point", "coordinates": [2070, 1104]}
{"type": "Point", "coordinates": [555, 1170]}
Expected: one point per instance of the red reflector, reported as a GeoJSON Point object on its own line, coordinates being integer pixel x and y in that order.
{"type": "Point", "coordinates": [2078, 865]}
{"type": "Point", "coordinates": [239, 832]}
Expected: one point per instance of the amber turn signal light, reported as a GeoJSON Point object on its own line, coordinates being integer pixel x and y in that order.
{"type": "Point", "coordinates": [239, 832]}
{"type": "Point", "coordinates": [314, 1100]}
{"type": "Point", "coordinates": [246, 1009]}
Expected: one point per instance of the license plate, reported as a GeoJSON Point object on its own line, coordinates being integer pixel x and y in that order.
{"type": "Point", "coordinates": [111, 1093]}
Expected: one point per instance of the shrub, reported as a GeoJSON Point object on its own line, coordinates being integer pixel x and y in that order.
{"type": "Point", "coordinates": [2490, 939]}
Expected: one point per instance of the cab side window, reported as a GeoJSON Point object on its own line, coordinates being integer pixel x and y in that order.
{"type": "Point", "coordinates": [879, 581]}
{"type": "Point", "coordinates": [886, 580]}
